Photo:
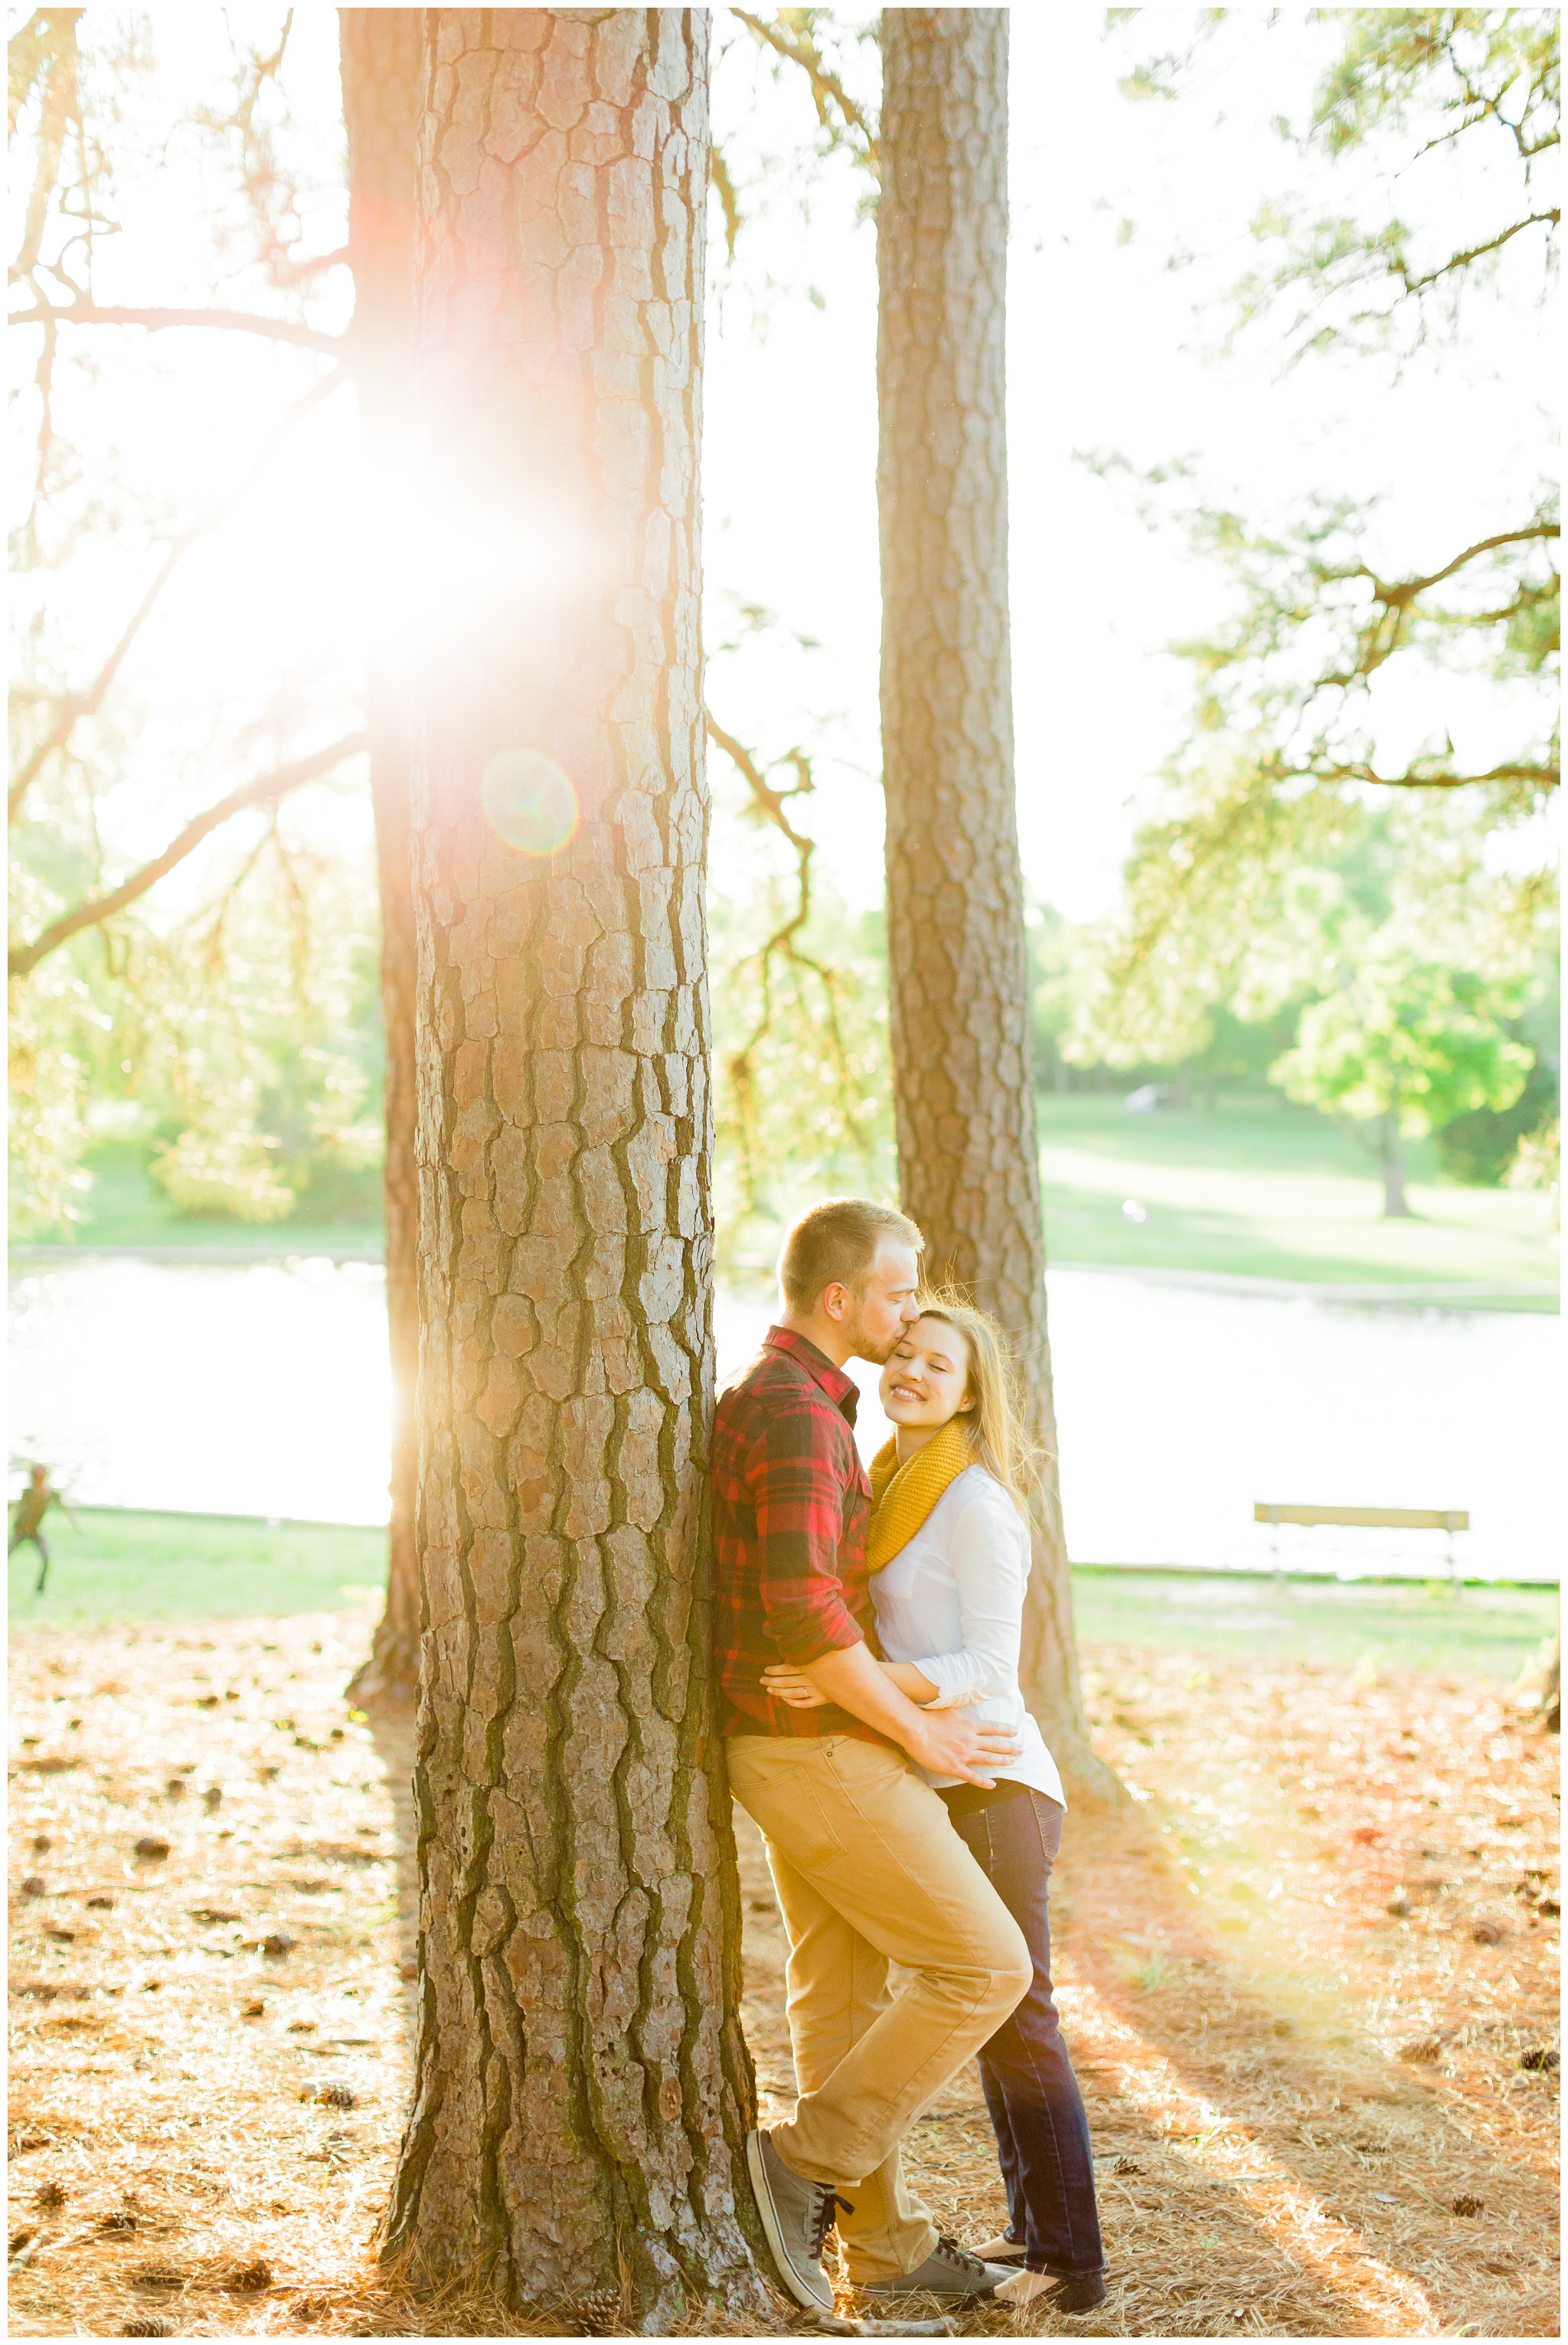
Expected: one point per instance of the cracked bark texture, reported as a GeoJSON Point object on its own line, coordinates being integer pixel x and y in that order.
{"type": "Point", "coordinates": [381, 53]}
{"type": "Point", "coordinates": [582, 2084]}
{"type": "Point", "coordinates": [963, 1101]}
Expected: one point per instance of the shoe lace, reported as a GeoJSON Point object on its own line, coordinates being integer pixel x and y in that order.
{"type": "Point", "coordinates": [823, 2215]}
{"type": "Point", "coordinates": [957, 2255]}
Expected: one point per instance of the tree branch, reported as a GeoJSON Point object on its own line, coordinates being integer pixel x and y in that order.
{"type": "Point", "coordinates": [1544, 778]}
{"type": "Point", "coordinates": [78, 705]}
{"type": "Point", "coordinates": [1405, 589]}
{"type": "Point", "coordinates": [265, 789]}
{"type": "Point", "coordinates": [826, 89]}
{"type": "Point", "coordinates": [237, 321]}
{"type": "Point", "coordinates": [768, 802]}
{"type": "Point", "coordinates": [1474, 252]}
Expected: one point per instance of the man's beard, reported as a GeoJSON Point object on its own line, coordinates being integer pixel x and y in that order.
{"type": "Point", "coordinates": [865, 1350]}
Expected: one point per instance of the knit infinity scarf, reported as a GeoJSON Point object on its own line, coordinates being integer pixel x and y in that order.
{"type": "Point", "coordinates": [902, 1496]}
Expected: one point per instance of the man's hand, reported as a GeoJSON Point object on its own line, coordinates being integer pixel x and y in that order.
{"type": "Point", "coordinates": [856, 1681]}
{"type": "Point", "coordinates": [791, 1686]}
{"type": "Point", "coordinates": [949, 1745]}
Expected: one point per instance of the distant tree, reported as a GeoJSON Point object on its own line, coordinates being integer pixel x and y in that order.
{"type": "Point", "coordinates": [1404, 1046]}
{"type": "Point", "coordinates": [959, 999]}
{"type": "Point", "coordinates": [582, 2085]}
{"type": "Point", "coordinates": [382, 58]}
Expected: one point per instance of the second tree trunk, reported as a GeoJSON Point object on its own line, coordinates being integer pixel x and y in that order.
{"type": "Point", "coordinates": [967, 1153]}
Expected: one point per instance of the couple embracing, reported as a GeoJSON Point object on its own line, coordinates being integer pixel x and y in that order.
{"type": "Point", "coordinates": [867, 1635]}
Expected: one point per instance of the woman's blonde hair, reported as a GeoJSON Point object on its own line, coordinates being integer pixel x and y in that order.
{"type": "Point", "coordinates": [992, 1396]}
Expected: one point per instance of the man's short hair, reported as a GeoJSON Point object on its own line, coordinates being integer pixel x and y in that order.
{"type": "Point", "coordinates": [836, 1243]}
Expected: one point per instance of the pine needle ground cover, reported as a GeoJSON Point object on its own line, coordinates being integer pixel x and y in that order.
{"type": "Point", "coordinates": [1309, 1979]}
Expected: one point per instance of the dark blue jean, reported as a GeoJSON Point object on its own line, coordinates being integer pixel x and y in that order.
{"type": "Point", "coordinates": [1037, 2111]}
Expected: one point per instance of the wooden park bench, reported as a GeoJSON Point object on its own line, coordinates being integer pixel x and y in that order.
{"type": "Point", "coordinates": [1372, 1518]}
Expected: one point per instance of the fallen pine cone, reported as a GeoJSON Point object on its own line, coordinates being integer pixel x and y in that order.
{"type": "Point", "coordinates": [1465, 2205]}
{"type": "Point", "coordinates": [250, 2277]}
{"type": "Point", "coordinates": [330, 2096]}
{"type": "Point", "coordinates": [149, 2325]}
{"type": "Point", "coordinates": [1421, 2052]}
{"type": "Point", "coordinates": [150, 1845]}
{"type": "Point", "coordinates": [253, 2010]}
{"type": "Point", "coordinates": [124, 2220]}
{"type": "Point", "coordinates": [102, 1904]}
{"type": "Point", "coordinates": [49, 2194]}
{"type": "Point", "coordinates": [1539, 2059]}
{"type": "Point", "coordinates": [1486, 1933]}
{"type": "Point", "coordinates": [158, 2276]}
{"type": "Point", "coordinates": [33, 1886]}
{"type": "Point", "coordinates": [23, 2239]}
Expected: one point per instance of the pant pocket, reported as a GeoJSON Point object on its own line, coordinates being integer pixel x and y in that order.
{"type": "Point", "coordinates": [785, 1806]}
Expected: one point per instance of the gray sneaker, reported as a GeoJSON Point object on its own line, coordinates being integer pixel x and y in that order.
{"type": "Point", "coordinates": [948, 2270]}
{"type": "Point", "coordinates": [797, 2216]}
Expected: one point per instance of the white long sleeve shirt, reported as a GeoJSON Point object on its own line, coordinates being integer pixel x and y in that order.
{"type": "Point", "coordinates": [952, 1602]}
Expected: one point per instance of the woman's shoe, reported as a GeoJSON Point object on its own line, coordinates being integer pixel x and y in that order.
{"type": "Point", "coordinates": [1081, 2295]}
{"type": "Point", "coordinates": [1002, 2251]}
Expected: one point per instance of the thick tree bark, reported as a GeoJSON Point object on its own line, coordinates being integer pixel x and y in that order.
{"type": "Point", "coordinates": [582, 2084]}
{"type": "Point", "coordinates": [964, 1104]}
{"type": "Point", "coordinates": [382, 53]}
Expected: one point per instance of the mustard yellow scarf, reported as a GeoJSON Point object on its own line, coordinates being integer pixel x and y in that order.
{"type": "Point", "coordinates": [902, 1496]}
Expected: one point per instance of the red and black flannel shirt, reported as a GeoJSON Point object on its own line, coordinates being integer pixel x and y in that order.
{"type": "Point", "coordinates": [791, 1504]}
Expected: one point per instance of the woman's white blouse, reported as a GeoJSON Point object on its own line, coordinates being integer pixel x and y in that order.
{"type": "Point", "coordinates": [952, 1602]}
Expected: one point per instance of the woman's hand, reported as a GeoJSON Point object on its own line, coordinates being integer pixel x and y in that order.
{"type": "Point", "coordinates": [791, 1686]}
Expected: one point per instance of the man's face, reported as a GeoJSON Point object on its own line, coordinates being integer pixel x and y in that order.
{"type": "Point", "coordinates": [885, 1305]}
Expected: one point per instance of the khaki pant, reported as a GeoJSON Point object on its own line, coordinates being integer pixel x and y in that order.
{"type": "Point", "coordinates": [869, 1871]}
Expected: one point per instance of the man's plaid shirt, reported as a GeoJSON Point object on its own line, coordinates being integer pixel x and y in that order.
{"type": "Point", "coordinates": [791, 1504]}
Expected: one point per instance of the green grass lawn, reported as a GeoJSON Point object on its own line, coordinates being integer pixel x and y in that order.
{"type": "Point", "coordinates": [1257, 1186]}
{"type": "Point", "coordinates": [136, 1567]}
{"type": "Point", "coordinates": [126, 1207]}
{"type": "Point", "coordinates": [1254, 1185]}
{"type": "Point", "coordinates": [1490, 1632]}
{"type": "Point", "coordinates": [129, 1566]}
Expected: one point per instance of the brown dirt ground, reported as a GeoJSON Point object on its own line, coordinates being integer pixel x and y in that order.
{"type": "Point", "coordinates": [1301, 1978]}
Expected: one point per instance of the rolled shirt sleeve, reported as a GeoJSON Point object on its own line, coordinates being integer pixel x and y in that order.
{"type": "Point", "coordinates": [799, 1470]}
{"type": "Point", "coordinates": [989, 1550]}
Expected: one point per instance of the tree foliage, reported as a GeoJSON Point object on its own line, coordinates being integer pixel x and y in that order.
{"type": "Point", "coordinates": [1347, 668]}
{"type": "Point", "coordinates": [180, 935]}
{"type": "Point", "coordinates": [1411, 1040]}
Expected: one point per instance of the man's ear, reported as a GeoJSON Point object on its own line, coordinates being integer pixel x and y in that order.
{"type": "Point", "coordinates": [836, 1301]}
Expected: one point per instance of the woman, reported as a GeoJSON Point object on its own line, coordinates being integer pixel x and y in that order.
{"type": "Point", "coordinates": [949, 1551]}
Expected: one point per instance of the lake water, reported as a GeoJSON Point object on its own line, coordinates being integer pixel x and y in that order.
{"type": "Point", "coordinates": [260, 1388]}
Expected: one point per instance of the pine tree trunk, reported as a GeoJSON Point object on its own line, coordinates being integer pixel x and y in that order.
{"type": "Point", "coordinates": [964, 1104]}
{"type": "Point", "coordinates": [582, 2084]}
{"type": "Point", "coordinates": [1391, 1157]}
{"type": "Point", "coordinates": [382, 54]}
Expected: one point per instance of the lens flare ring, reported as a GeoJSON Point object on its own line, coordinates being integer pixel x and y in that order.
{"type": "Point", "coordinates": [528, 802]}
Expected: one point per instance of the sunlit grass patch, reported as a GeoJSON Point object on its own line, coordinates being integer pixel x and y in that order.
{"type": "Point", "coordinates": [1258, 1189]}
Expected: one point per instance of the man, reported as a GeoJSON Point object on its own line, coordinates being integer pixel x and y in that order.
{"type": "Point", "coordinates": [868, 1868]}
